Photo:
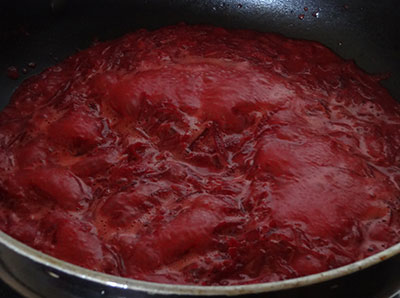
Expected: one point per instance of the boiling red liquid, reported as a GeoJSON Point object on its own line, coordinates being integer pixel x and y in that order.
{"type": "Point", "coordinates": [198, 155]}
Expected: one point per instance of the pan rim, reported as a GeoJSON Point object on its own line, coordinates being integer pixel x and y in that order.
{"type": "Point", "coordinates": [170, 289]}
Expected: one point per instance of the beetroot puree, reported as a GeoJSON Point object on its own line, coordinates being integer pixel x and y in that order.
{"type": "Point", "coordinates": [198, 155]}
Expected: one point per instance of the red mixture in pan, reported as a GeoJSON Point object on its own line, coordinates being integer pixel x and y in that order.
{"type": "Point", "coordinates": [199, 155]}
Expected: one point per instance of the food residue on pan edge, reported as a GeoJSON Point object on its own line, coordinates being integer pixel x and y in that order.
{"type": "Point", "coordinates": [12, 72]}
{"type": "Point", "coordinates": [199, 155]}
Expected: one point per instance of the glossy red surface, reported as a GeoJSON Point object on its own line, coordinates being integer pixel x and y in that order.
{"type": "Point", "coordinates": [199, 155]}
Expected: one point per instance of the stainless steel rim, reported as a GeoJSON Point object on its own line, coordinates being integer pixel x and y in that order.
{"type": "Point", "coordinates": [158, 288]}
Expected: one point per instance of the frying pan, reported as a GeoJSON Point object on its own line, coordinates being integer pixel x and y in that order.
{"type": "Point", "coordinates": [44, 32]}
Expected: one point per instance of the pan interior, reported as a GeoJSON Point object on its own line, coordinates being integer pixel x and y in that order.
{"type": "Point", "coordinates": [45, 32]}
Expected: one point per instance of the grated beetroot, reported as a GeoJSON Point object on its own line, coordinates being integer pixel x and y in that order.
{"type": "Point", "coordinates": [199, 155]}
